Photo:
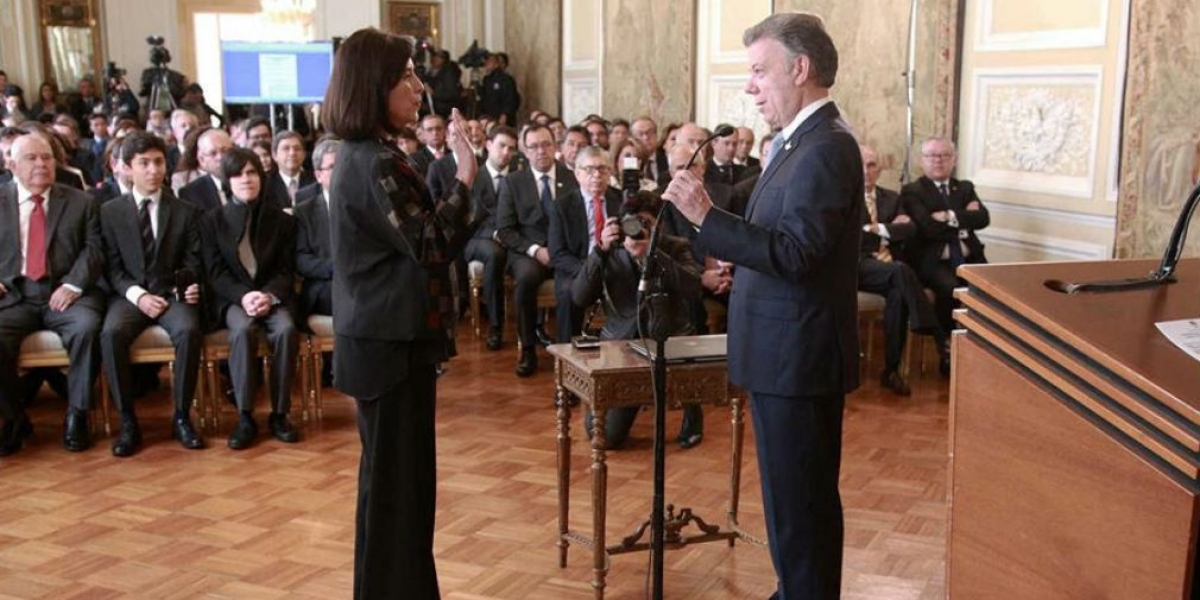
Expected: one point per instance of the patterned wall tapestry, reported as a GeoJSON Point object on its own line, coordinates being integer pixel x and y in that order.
{"type": "Point", "coordinates": [1160, 158]}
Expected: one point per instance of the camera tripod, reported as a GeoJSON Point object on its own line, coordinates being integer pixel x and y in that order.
{"type": "Point", "coordinates": [159, 83]}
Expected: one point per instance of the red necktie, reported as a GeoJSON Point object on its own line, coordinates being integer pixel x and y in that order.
{"type": "Point", "coordinates": [598, 216]}
{"type": "Point", "coordinates": [35, 252]}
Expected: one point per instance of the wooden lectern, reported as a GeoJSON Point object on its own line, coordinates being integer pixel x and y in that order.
{"type": "Point", "coordinates": [1074, 437]}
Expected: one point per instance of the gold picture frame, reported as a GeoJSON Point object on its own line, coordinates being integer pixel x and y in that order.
{"type": "Point", "coordinates": [419, 20]}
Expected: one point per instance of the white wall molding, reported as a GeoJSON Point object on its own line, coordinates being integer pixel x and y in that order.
{"type": "Point", "coordinates": [1063, 217]}
{"type": "Point", "coordinates": [1046, 129]}
{"type": "Point", "coordinates": [989, 40]}
{"type": "Point", "coordinates": [1043, 247]}
{"type": "Point", "coordinates": [727, 102]}
{"type": "Point", "coordinates": [581, 97]}
{"type": "Point", "coordinates": [1114, 146]}
{"type": "Point", "coordinates": [570, 62]}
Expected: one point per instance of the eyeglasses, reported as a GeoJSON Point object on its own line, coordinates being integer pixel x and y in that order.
{"type": "Point", "coordinates": [938, 155]}
{"type": "Point", "coordinates": [599, 170]}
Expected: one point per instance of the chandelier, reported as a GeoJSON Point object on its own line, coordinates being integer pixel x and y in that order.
{"type": "Point", "coordinates": [289, 12]}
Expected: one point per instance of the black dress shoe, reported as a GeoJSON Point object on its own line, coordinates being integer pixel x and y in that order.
{"type": "Point", "coordinates": [494, 340]}
{"type": "Point", "coordinates": [282, 429]}
{"type": "Point", "coordinates": [181, 429]}
{"type": "Point", "coordinates": [542, 339]}
{"type": "Point", "coordinates": [75, 432]}
{"type": "Point", "coordinates": [243, 434]}
{"type": "Point", "coordinates": [129, 440]}
{"type": "Point", "coordinates": [14, 433]}
{"type": "Point", "coordinates": [893, 381]}
{"type": "Point", "coordinates": [527, 364]}
{"type": "Point", "coordinates": [690, 439]}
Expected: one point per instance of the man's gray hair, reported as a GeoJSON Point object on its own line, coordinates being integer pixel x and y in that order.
{"type": "Point", "coordinates": [593, 152]}
{"type": "Point", "coordinates": [800, 33]}
{"type": "Point", "coordinates": [930, 140]}
{"type": "Point", "coordinates": [326, 145]}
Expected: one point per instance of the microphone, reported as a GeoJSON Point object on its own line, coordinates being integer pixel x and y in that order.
{"type": "Point", "coordinates": [644, 283]}
{"type": "Point", "coordinates": [1164, 274]}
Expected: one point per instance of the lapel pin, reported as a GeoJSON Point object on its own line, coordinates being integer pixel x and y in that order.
{"type": "Point", "coordinates": [787, 146]}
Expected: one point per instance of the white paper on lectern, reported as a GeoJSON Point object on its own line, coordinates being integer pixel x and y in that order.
{"type": "Point", "coordinates": [1184, 333]}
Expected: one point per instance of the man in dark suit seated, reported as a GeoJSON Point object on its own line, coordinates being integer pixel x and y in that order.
{"type": "Point", "coordinates": [575, 225]}
{"type": "Point", "coordinates": [250, 257]}
{"type": "Point", "coordinates": [745, 143]}
{"type": "Point", "coordinates": [207, 193]}
{"type": "Point", "coordinates": [51, 256]}
{"type": "Point", "coordinates": [289, 176]}
{"type": "Point", "coordinates": [523, 228]}
{"type": "Point", "coordinates": [721, 167]}
{"type": "Point", "coordinates": [314, 259]}
{"type": "Point", "coordinates": [118, 183]}
{"type": "Point", "coordinates": [645, 131]}
{"type": "Point", "coordinates": [182, 122]}
{"type": "Point", "coordinates": [882, 270]}
{"type": "Point", "coordinates": [611, 273]}
{"type": "Point", "coordinates": [433, 135]}
{"type": "Point", "coordinates": [793, 335]}
{"type": "Point", "coordinates": [484, 245]}
{"type": "Point", "coordinates": [151, 241]}
{"type": "Point", "coordinates": [948, 213]}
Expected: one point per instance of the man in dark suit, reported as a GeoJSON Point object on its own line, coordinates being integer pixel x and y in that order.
{"type": "Point", "coordinates": [793, 336]}
{"type": "Point", "coordinates": [484, 246]}
{"type": "Point", "coordinates": [151, 239]}
{"type": "Point", "coordinates": [207, 192]}
{"type": "Point", "coordinates": [745, 143]}
{"type": "Point", "coordinates": [433, 135]}
{"type": "Point", "coordinates": [721, 167]}
{"type": "Point", "coordinates": [882, 270]}
{"type": "Point", "coordinates": [576, 222]}
{"type": "Point", "coordinates": [947, 212]}
{"type": "Point", "coordinates": [51, 256]}
{"type": "Point", "coordinates": [118, 183]}
{"type": "Point", "coordinates": [289, 176]}
{"type": "Point", "coordinates": [645, 131]}
{"type": "Point", "coordinates": [250, 257]}
{"type": "Point", "coordinates": [314, 258]}
{"type": "Point", "coordinates": [523, 228]}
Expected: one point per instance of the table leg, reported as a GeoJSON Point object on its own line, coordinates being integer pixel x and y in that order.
{"type": "Point", "coordinates": [735, 467]}
{"type": "Point", "coordinates": [564, 469]}
{"type": "Point", "coordinates": [599, 501]}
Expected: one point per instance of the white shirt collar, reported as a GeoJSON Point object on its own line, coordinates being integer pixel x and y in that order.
{"type": "Point", "coordinates": [24, 194]}
{"type": "Point", "coordinates": [537, 176]}
{"type": "Point", "coordinates": [155, 198]}
{"type": "Point", "coordinates": [802, 116]}
{"type": "Point", "coordinates": [494, 173]}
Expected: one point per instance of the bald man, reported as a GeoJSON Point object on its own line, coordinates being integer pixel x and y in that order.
{"type": "Point", "coordinates": [50, 259]}
{"type": "Point", "coordinates": [206, 192]}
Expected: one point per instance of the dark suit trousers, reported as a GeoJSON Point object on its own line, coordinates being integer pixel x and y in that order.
{"type": "Point", "coordinates": [568, 318]}
{"type": "Point", "coordinates": [284, 343]}
{"type": "Point", "coordinates": [124, 322]}
{"type": "Point", "coordinates": [79, 328]}
{"type": "Point", "coordinates": [397, 491]}
{"type": "Point", "coordinates": [939, 276]}
{"type": "Point", "coordinates": [528, 274]}
{"type": "Point", "coordinates": [799, 444]}
{"type": "Point", "coordinates": [494, 258]}
{"type": "Point", "coordinates": [906, 307]}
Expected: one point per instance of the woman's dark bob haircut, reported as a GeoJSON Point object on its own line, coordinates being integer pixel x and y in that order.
{"type": "Point", "coordinates": [367, 66]}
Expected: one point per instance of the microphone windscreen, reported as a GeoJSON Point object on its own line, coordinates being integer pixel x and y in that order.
{"type": "Point", "coordinates": [724, 131]}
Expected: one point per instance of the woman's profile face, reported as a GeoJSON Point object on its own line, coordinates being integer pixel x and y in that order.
{"type": "Point", "coordinates": [404, 100]}
{"type": "Point", "coordinates": [245, 185]}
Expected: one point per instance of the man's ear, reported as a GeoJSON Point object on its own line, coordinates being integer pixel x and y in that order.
{"type": "Point", "coordinates": [801, 69]}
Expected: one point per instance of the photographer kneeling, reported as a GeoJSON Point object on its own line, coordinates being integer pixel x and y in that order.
{"type": "Point", "coordinates": [613, 270]}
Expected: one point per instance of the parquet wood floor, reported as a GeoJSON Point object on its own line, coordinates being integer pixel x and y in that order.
{"type": "Point", "coordinates": [276, 521]}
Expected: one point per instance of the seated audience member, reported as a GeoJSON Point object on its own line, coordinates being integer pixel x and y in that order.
{"type": "Point", "coordinates": [78, 155]}
{"type": "Point", "coordinates": [188, 169]}
{"type": "Point", "coordinates": [745, 143]}
{"type": "Point", "coordinates": [98, 125]}
{"type": "Point", "coordinates": [48, 104]}
{"type": "Point", "coordinates": [477, 135]}
{"type": "Point", "coordinates": [151, 239]}
{"type": "Point", "coordinates": [289, 175]}
{"type": "Point", "coordinates": [208, 191]}
{"type": "Point", "coordinates": [575, 139]}
{"type": "Point", "coordinates": [618, 132]}
{"type": "Point", "coordinates": [721, 167]}
{"type": "Point", "coordinates": [157, 124]}
{"type": "Point", "coordinates": [645, 131]}
{"type": "Point", "coordinates": [182, 123]}
{"type": "Point", "coordinates": [630, 149]}
{"type": "Point", "coordinates": [948, 213]}
{"type": "Point", "coordinates": [249, 254]}
{"type": "Point", "coordinates": [8, 135]}
{"type": "Point", "coordinates": [576, 220]}
{"type": "Point", "coordinates": [484, 245]}
{"type": "Point", "coordinates": [597, 130]}
{"type": "Point", "coordinates": [433, 134]}
{"type": "Point", "coordinates": [48, 278]}
{"type": "Point", "coordinates": [523, 227]}
{"type": "Point", "coordinates": [882, 270]}
{"type": "Point", "coordinates": [263, 150]}
{"type": "Point", "coordinates": [117, 181]}
{"type": "Point", "coordinates": [408, 142]}
{"type": "Point", "coordinates": [314, 261]}
{"type": "Point", "coordinates": [611, 273]}
{"type": "Point", "coordinates": [86, 102]}
{"type": "Point", "coordinates": [558, 128]}
{"type": "Point", "coordinates": [15, 111]}
{"type": "Point", "coordinates": [258, 129]}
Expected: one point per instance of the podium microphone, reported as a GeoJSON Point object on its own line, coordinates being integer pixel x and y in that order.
{"type": "Point", "coordinates": [644, 283]}
{"type": "Point", "coordinates": [1164, 274]}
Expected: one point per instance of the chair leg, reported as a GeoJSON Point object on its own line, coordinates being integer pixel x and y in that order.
{"type": "Point", "coordinates": [318, 367]}
{"type": "Point", "coordinates": [475, 317]}
{"type": "Point", "coordinates": [305, 382]}
{"type": "Point", "coordinates": [105, 405]}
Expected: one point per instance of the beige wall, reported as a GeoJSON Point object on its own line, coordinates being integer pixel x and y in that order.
{"type": "Point", "coordinates": [1161, 150]}
{"type": "Point", "coordinates": [1039, 124]}
{"type": "Point", "coordinates": [531, 38]}
{"type": "Point", "coordinates": [721, 65]}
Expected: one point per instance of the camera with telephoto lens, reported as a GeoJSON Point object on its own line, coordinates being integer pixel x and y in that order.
{"type": "Point", "coordinates": [631, 182]}
{"type": "Point", "coordinates": [159, 55]}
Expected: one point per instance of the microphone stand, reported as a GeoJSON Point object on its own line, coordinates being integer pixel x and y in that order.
{"type": "Point", "coordinates": [652, 292]}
